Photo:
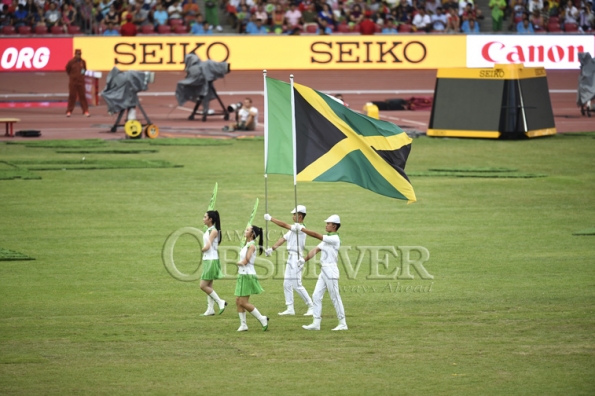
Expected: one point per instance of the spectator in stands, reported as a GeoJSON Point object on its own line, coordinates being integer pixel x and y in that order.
{"type": "Point", "coordinates": [52, 16]}
{"type": "Point", "coordinates": [212, 14]}
{"type": "Point", "coordinates": [19, 18]}
{"type": "Point", "coordinates": [112, 16]}
{"type": "Point", "coordinates": [68, 15]}
{"type": "Point", "coordinates": [535, 5]}
{"type": "Point", "coordinates": [403, 13]}
{"type": "Point", "coordinates": [257, 28]}
{"type": "Point", "coordinates": [328, 15]}
{"type": "Point", "coordinates": [128, 10]}
{"type": "Point", "coordinates": [243, 18]}
{"type": "Point", "coordinates": [33, 14]}
{"type": "Point", "coordinates": [85, 16]}
{"type": "Point", "coordinates": [374, 7]}
{"type": "Point", "coordinates": [537, 21]}
{"type": "Point", "coordinates": [570, 13]}
{"type": "Point", "coordinates": [277, 19]}
{"type": "Point", "coordinates": [585, 19]}
{"type": "Point", "coordinates": [389, 27]}
{"type": "Point", "coordinates": [525, 26]}
{"type": "Point", "coordinates": [103, 6]}
{"type": "Point", "coordinates": [324, 29]}
{"type": "Point", "coordinates": [175, 10]}
{"type": "Point", "coordinates": [453, 24]}
{"type": "Point", "coordinates": [160, 16]}
{"type": "Point", "coordinates": [110, 31]}
{"type": "Point", "coordinates": [141, 16]}
{"type": "Point", "coordinates": [128, 29]}
{"type": "Point", "coordinates": [470, 26]}
{"type": "Point", "coordinates": [355, 16]}
{"type": "Point", "coordinates": [261, 14]}
{"type": "Point", "coordinates": [5, 17]}
{"type": "Point", "coordinates": [367, 27]}
{"type": "Point", "coordinates": [422, 21]}
{"type": "Point", "coordinates": [432, 6]}
{"type": "Point", "coordinates": [469, 12]}
{"type": "Point", "coordinates": [293, 16]}
{"type": "Point", "coordinates": [497, 7]}
{"type": "Point", "coordinates": [518, 10]}
{"type": "Point", "coordinates": [201, 27]}
{"type": "Point", "coordinates": [190, 9]}
{"type": "Point", "coordinates": [439, 21]}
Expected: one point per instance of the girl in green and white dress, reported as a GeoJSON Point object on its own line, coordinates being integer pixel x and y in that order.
{"type": "Point", "coordinates": [247, 283]}
{"type": "Point", "coordinates": [211, 269]}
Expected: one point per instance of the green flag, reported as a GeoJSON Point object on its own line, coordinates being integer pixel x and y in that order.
{"type": "Point", "coordinates": [278, 147]}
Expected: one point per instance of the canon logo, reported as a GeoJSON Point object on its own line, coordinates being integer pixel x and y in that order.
{"type": "Point", "coordinates": [498, 52]}
{"type": "Point", "coordinates": [25, 58]}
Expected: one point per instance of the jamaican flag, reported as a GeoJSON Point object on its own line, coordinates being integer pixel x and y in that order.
{"type": "Point", "coordinates": [329, 142]}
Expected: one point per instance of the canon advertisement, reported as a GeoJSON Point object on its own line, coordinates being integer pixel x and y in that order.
{"type": "Point", "coordinates": [549, 51]}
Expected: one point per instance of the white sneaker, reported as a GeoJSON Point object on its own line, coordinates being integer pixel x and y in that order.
{"type": "Point", "coordinates": [208, 312]}
{"type": "Point", "coordinates": [219, 28]}
{"type": "Point", "coordinates": [309, 312]}
{"type": "Point", "coordinates": [312, 326]}
{"type": "Point", "coordinates": [243, 327]}
{"type": "Point", "coordinates": [340, 327]}
{"type": "Point", "coordinates": [287, 312]}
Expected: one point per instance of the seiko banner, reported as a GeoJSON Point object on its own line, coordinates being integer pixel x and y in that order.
{"type": "Point", "coordinates": [549, 51]}
{"type": "Point", "coordinates": [276, 52]}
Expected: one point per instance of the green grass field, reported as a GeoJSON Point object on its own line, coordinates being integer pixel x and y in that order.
{"type": "Point", "coordinates": [510, 309]}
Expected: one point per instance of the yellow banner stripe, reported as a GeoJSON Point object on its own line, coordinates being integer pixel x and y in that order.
{"type": "Point", "coordinates": [354, 141]}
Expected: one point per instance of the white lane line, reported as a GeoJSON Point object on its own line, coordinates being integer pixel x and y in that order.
{"type": "Point", "coordinates": [345, 92]}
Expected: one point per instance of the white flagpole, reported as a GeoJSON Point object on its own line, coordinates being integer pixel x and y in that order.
{"type": "Point", "coordinates": [294, 162]}
{"type": "Point", "coordinates": [266, 152]}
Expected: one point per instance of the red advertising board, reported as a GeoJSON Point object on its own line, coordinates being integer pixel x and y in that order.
{"type": "Point", "coordinates": [35, 54]}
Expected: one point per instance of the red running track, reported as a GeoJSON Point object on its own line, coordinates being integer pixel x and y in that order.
{"type": "Point", "coordinates": [160, 104]}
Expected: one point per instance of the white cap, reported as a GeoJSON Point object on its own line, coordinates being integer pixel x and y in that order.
{"type": "Point", "coordinates": [333, 219]}
{"type": "Point", "coordinates": [300, 209]}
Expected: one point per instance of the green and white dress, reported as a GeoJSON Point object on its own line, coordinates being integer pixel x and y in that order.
{"type": "Point", "coordinates": [211, 268]}
{"type": "Point", "coordinates": [247, 283]}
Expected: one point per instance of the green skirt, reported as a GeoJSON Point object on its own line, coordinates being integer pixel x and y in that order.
{"type": "Point", "coordinates": [247, 285]}
{"type": "Point", "coordinates": [211, 270]}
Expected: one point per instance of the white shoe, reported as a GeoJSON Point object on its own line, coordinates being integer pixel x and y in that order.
{"type": "Point", "coordinates": [219, 29]}
{"type": "Point", "coordinates": [243, 327]}
{"type": "Point", "coordinates": [340, 327]}
{"type": "Point", "coordinates": [287, 312]}
{"type": "Point", "coordinates": [208, 312]}
{"type": "Point", "coordinates": [309, 312]}
{"type": "Point", "coordinates": [222, 306]}
{"type": "Point", "coordinates": [312, 326]}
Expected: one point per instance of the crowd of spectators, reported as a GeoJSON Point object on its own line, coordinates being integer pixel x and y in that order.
{"type": "Point", "coordinates": [532, 16]}
{"type": "Point", "coordinates": [130, 17]}
{"type": "Point", "coordinates": [365, 17]}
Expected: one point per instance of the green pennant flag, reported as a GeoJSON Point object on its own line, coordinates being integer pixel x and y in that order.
{"type": "Point", "coordinates": [334, 143]}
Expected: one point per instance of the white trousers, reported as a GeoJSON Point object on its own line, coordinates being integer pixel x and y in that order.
{"type": "Point", "coordinates": [293, 281]}
{"type": "Point", "coordinates": [328, 280]}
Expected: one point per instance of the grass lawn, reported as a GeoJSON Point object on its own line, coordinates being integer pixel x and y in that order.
{"type": "Point", "coordinates": [510, 309]}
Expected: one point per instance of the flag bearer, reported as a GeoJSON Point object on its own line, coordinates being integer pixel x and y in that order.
{"type": "Point", "coordinates": [329, 272]}
{"type": "Point", "coordinates": [210, 262]}
{"type": "Point", "coordinates": [293, 271]}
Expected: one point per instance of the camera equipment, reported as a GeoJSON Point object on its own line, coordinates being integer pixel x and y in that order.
{"type": "Point", "coordinates": [234, 107]}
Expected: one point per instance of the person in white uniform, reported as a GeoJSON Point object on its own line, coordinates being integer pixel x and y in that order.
{"type": "Point", "coordinates": [247, 283]}
{"type": "Point", "coordinates": [293, 271]}
{"type": "Point", "coordinates": [211, 268]}
{"type": "Point", "coordinates": [328, 280]}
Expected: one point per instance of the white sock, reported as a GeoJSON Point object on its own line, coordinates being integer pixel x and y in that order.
{"type": "Point", "coordinates": [242, 316]}
{"type": "Point", "coordinates": [215, 297]}
{"type": "Point", "coordinates": [210, 303]}
{"type": "Point", "coordinates": [257, 314]}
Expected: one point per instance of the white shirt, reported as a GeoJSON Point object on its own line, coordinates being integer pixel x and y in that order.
{"type": "Point", "coordinates": [291, 237]}
{"type": "Point", "coordinates": [210, 254]}
{"type": "Point", "coordinates": [293, 17]}
{"type": "Point", "coordinates": [175, 12]}
{"type": "Point", "coordinates": [247, 269]}
{"type": "Point", "coordinates": [421, 22]}
{"type": "Point", "coordinates": [243, 114]}
{"type": "Point", "coordinates": [439, 21]}
{"type": "Point", "coordinates": [329, 248]}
